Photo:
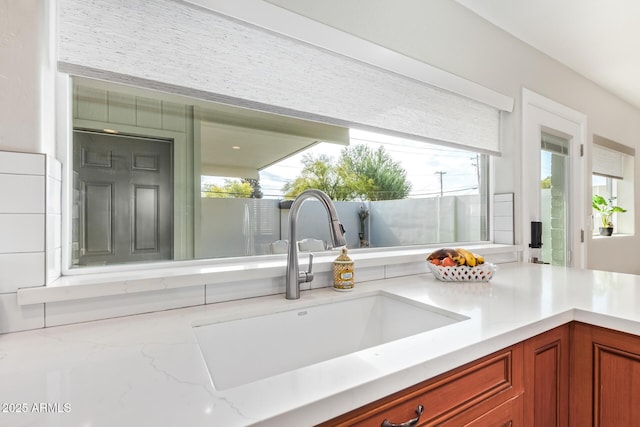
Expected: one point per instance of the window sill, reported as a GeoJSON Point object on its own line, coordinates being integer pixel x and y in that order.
{"type": "Point", "coordinates": [163, 277]}
{"type": "Point", "coordinates": [614, 235]}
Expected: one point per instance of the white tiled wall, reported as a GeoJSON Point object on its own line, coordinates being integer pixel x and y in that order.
{"type": "Point", "coordinates": [243, 289]}
{"type": "Point", "coordinates": [22, 194]}
{"type": "Point", "coordinates": [21, 163]}
{"type": "Point", "coordinates": [21, 233]}
{"type": "Point", "coordinates": [22, 237]}
{"type": "Point", "coordinates": [19, 270]}
{"type": "Point", "coordinates": [14, 317]}
{"type": "Point", "coordinates": [503, 218]}
{"type": "Point", "coordinates": [406, 269]}
{"type": "Point", "coordinates": [221, 292]}
{"type": "Point", "coordinates": [53, 219]}
{"type": "Point", "coordinates": [83, 310]}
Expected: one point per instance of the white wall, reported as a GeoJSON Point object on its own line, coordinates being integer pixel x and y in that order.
{"type": "Point", "coordinates": [19, 127]}
{"type": "Point", "coordinates": [444, 34]}
{"type": "Point", "coordinates": [26, 76]}
{"type": "Point", "coordinates": [439, 32]}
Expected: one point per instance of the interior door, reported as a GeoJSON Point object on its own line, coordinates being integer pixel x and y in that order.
{"type": "Point", "coordinates": [554, 181]}
{"type": "Point", "coordinates": [123, 199]}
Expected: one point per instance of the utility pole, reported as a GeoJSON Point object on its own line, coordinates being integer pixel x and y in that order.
{"type": "Point", "coordinates": [440, 173]}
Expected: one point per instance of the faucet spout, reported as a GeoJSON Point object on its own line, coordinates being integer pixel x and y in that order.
{"type": "Point", "coordinates": [293, 276]}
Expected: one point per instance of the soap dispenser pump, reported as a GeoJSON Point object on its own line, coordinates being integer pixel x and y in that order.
{"type": "Point", "coordinates": [343, 272]}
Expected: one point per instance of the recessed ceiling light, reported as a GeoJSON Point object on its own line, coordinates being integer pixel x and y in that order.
{"type": "Point", "coordinates": [110, 130]}
{"type": "Point", "coordinates": [235, 147]}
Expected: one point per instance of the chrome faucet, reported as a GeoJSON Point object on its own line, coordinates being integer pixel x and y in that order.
{"type": "Point", "coordinates": [293, 276]}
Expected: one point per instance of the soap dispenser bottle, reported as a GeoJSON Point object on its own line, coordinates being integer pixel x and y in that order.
{"type": "Point", "coordinates": [343, 272]}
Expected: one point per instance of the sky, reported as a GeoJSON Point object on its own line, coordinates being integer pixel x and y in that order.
{"type": "Point", "coordinates": [420, 160]}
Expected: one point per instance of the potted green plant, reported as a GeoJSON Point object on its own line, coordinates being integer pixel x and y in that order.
{"type": "Point", "coordinates": [606, 209]}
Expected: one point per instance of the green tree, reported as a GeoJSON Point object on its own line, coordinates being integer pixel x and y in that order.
{"type": "Point", "coordinates": [361, 173]}
{"type": "Point", "coordinates": [256, 192]}
{"type": "Point", "coordinates": [317, 172]}
{"type": "Point", "coordinates": [545, 183]}
{"type": "Point", "coordinates": [231, 188]}
{"type": "Point", "coordinates": [373, 175]}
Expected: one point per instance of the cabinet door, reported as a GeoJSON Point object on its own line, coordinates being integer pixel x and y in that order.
{"type": "Point", "coordinates": [605, 371]}
{"type": "Point", "coordinates": [464, 393]}
{"type": "Point", "coordinates": [546, 379]}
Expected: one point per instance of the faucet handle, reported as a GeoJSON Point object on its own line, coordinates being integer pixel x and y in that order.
{"type": "Point", "coordinates": [310, 273]}
{"type": "Point", "coordinates": [307, 276]}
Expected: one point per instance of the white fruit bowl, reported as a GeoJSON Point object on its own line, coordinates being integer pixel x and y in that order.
{"type": "Point", "coordinates": [463, 273]}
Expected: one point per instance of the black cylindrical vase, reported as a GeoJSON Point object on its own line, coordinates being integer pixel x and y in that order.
{"type": "Point", "coordinates": [536, 234]}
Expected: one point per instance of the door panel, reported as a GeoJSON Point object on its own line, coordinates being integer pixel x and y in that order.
{"type": "Point", "coordinates": [546, 377]}
{"type": "Point", "coordinates": [98, 203]}
{"type": "Point", "coordinates": [605, 377]}
{"type": "Point", "coordinates": [124, 207]}
{"type": "Point", "coordinates": [145, 218]}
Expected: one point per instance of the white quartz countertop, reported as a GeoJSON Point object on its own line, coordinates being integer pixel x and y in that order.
{"type": "Point", "coordinates": [148, 369]}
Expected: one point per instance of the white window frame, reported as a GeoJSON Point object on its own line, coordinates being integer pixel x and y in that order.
{"type": "Point", "coordinates": [540, 113]}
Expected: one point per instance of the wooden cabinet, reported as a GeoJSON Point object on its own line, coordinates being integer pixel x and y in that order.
{"type": "Point", "coordinates": [575, 375]}
{"type": "Point", "coordinates": [546, 379]}
{"type": "Point", "coordinates": [456, 398]}
{"type": "Point", "coordinates": [605, 378]}
{"type": "Point", "coordinates": [508, 414]}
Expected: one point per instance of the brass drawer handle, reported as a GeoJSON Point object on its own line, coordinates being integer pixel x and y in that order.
{"type": "Point", "coordinates": [412, 422]}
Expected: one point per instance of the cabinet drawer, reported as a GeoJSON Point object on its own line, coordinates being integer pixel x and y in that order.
{"type": "Point", "coordinates": [481, 385]}
{"type": "Point", "coordinates": [508, 414]}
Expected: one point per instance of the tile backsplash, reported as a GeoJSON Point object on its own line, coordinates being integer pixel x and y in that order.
{"type": "Point", "coordinates": [503, 219]}
{"type": "Point", "coordinates": [29, 194]}
{"type": "Point", "coordinates": [22, 220]}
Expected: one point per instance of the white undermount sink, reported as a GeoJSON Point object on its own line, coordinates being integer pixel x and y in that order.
{"type": "Point", "coordinates": [248, 349]}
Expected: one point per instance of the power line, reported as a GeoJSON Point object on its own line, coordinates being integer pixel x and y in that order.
{"type": "Point", "coordinates": [457, 190]}
{"type": "Point", "coordinates": [440, 173]}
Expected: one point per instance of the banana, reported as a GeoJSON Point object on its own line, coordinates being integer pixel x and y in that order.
{"type": "Point", "coordinates": [468, 256]}
{"type": "Point", "coordinates": [461, 256]}
{"type": "Point", "coordinates": [471, 258]}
